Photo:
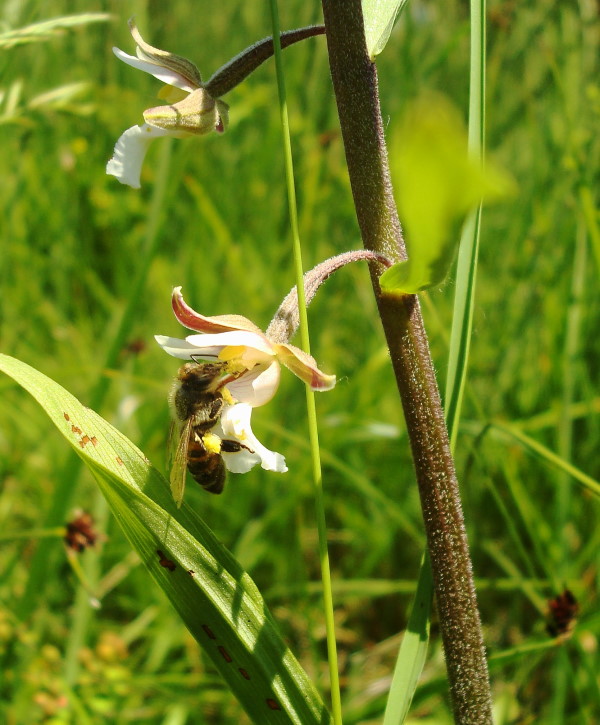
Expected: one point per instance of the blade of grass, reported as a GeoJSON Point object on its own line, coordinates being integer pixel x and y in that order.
{"type": "Point", "coordinates": [539, 450]}
{"type": "Point", "coordinates": [47, 29]}
{"type": "Point", "coordinates": [563, 499]}
{"type": "Point", "coordinates": [413, 650]}
{"type": "Point", "coordinates": [310, 396]}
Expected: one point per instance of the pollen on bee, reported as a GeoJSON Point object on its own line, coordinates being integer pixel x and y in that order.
{"type": "Point", "coordinates": [227, 397]}
{"type": "Point", "coordinates": [212, 442]}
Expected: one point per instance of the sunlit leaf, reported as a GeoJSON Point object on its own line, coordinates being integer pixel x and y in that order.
{"type": "Point", "coordinates": [436, 184]}
{"type": "Point", "coordinates": [216, 599]}
{"type": "Point", "coordinates": [379, 18]}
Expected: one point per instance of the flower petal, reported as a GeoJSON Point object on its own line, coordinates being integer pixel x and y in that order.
{"type": "Point", "coordinates": [304, 366]}
{"type": "Point", "coordinates": [257, 386]}
{"type": "Point", "coordinates": [241, 461]}
{"type": "Point", "coordinates": [195, 321]}
{"type": "Point", "coordinates": [236, 346]}
{"type": "Point", "coordinates": [235, 424]}
{"type": "Point", "coordinates": [179, 65]}
{"type": "Point", "coordinates": [130, 151]}
{"type": "Point", "coordinates": [166, 75]}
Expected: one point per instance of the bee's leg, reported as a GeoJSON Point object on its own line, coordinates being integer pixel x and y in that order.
{"type": "Point", "coordinates": [228, 446]}
{"type": "Point", "coordinates": [216, 408]}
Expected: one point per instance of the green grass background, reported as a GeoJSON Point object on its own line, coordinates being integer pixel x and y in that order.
{"type": "Point", "coordinates": [73, 242]}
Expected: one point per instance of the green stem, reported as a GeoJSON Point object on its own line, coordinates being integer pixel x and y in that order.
{"type": "Point", "coordinates": [355, 85]}
{"type": "Point", "coordinates": [310, 397]}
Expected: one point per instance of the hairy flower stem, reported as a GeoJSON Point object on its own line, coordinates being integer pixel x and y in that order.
{"type": "Point", "coordinates": [355, 85]}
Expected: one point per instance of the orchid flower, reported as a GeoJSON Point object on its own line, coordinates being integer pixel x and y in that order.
{"type": "Point", "coordinates": [250, 355]}
{"type": "Point", "coordinates": [193, 111]}
{"type": "Point", "coordinates": [252, 364]}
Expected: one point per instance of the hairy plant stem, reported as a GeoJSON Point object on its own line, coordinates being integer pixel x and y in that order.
{"type": "Point", "coordinates": [355, 85]}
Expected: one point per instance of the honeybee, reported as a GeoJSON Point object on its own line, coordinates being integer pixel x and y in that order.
{"type": "Point", "coordinates": [197, 402]}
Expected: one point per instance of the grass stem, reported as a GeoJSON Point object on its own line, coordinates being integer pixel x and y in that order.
{"type": "Point", "coordinates": [310, 396]}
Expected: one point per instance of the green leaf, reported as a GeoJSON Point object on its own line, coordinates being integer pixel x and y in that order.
{"type": "Point", "coordinates": [216, 599]}
{"type": "Point", "coordinates": [413, 650]}
{"type": "Point", "coordinates": [437, 184]}
{"type": "Point", "coordinates": [379, 17]}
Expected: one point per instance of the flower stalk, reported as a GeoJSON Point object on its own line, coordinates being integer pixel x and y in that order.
{"type": "Point", "coordinates": [355, 86]}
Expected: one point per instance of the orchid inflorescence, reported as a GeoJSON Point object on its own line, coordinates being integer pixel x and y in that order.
{"type": "Point", "coordinates": [248, 360]}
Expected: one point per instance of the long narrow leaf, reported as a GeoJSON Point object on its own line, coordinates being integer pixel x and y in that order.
{"type": "Point", "coordinates": [414, 650]}
{"type": "Point", "coordinates": [537, 449]}
{"type": "Point", "coordinates": [216, 599]}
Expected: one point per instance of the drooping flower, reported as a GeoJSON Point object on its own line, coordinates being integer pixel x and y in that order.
{"type": "Point", "coordinates": [192, 110]}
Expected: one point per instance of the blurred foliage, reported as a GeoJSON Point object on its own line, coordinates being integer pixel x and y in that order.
{"type": "Point", "coordinates": [73, 239]}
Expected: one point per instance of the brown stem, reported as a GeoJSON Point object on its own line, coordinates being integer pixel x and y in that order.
{"type": "Point", "coordinates": [286, 321]}
{"type": "Point", "coordinates": [355, 85]}
{"type": "Point", "coordinates": [246, 62]}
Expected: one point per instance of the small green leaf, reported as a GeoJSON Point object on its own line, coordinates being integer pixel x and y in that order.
{"type": "Point", "coordinates": [216, 599]}
{"type": "Point", "coordinates": [437, 184]}
{"type": "Point", "coordinates": [413, 651]}
{"type": "Point", "coordinates": [379, 17]}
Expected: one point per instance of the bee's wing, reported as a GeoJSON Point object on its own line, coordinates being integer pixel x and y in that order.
{"type": "Point", "coordinates": [179, 461]}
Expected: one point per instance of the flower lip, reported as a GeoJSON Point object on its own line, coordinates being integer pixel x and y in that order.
{"type": "Point", "coordinates": [241, 345]}
{"type": "Point", "coordinates": [235, 424]}
{"type": "Point", "coordinates": [130, 151]}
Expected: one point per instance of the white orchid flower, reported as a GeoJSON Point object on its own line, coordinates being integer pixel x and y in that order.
{"type": "Point", "coordinates": [193, 111]}
{"type": "Point", "coordinates": [251, 373]}
{"type": "Point", "coordinates": [252, 358]}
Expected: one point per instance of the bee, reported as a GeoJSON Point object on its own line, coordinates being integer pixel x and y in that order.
{"type": "Point", "coordinates": [197, 402]}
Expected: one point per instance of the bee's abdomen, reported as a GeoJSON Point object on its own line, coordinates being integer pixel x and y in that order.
{"type": "Point", "coordinates": [206, 468]}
